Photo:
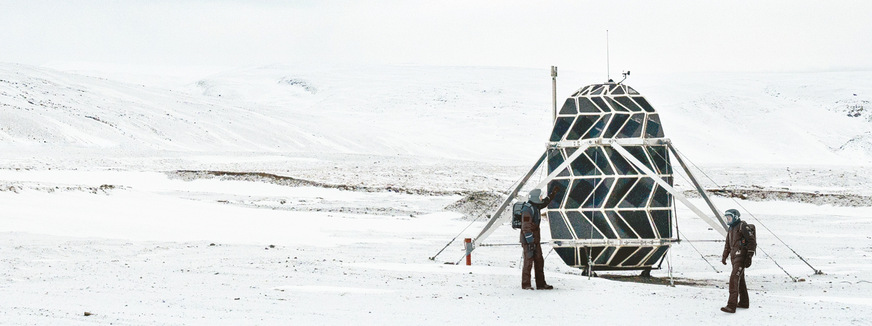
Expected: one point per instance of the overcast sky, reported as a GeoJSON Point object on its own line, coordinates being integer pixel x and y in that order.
{"type": "Point", "coordinates": [653, 36]}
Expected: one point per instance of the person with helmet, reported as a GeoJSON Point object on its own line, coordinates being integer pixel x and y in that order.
{"type": "Point", "coordinates": [733, 249]}
{"type": "Point", "coordinates": [530, 218]}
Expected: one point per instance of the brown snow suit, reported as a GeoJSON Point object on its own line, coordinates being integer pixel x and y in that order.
{"type": "Point", "coordinates": [530, 219]}
{"type": "Point", "coordinates": [734, 250]}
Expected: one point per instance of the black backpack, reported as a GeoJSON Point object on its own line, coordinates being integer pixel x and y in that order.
{"type": "Point", "coordinates": [749, 241]}
{"type": "Point", "coordinates": [517, 208]}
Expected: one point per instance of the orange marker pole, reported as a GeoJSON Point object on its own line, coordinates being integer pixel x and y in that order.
{"type": "Point", "coordinates": [468, 243]}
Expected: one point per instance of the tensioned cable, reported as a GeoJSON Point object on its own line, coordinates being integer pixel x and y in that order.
{"type": "Point", "coordinates": [700, 254]}
{"type": "Point", "coordinates": [480, 214]}
{"type": "Point", "coordinates": [760, 248]}
{"type": "Point", "coordinates": [816, 271]}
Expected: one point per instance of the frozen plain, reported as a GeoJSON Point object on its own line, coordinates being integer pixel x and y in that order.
{"type": "Point", "coordinates": [96, 220]}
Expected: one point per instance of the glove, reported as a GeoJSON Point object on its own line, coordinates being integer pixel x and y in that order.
{"type": "Point", "coordinates": [724, 261]}
{"type": "Point", "coordinates": [747, 261]}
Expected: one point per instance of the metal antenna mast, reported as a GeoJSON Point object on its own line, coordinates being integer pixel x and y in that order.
{"type": "Point", "coordinates": [608, 70]}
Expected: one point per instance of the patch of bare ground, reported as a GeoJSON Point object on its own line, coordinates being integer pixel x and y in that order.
{"type": "Point", "coordinates": [764, 194]}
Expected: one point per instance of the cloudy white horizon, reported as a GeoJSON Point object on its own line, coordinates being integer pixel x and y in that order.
{"type": "Point", "coordinates": [666, 36]}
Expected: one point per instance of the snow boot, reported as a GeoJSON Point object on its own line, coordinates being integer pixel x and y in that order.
{"type": "Point", "coordinates": [545, 287]}
{"type": "Point", "coordinates": [728, 309]}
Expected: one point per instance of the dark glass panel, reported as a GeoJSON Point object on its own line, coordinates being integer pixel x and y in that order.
{"type": "Point", "coordinates": [653, 129]}
{"type": "Point", "coordinates": [644, 104]}
{"type": "Point", "coordinates": [622, 254]}
{"type": "Point", "coordinates": [561, 185]}
{"type": "Point", "coordinates": [600, 221]}
{"type": "Point", "coordinates": [605, 256]}
{"type": "Point", "coordinates": [632, 91]}
{"type": "Point", "coordinates": [661, 198]}
{"type": "Point", "coordinates": [639, 154]}
{"type": "Point", "coordinates": [656, 256]}
{"type": "Point", "coordinates": [582, 166]}
{"type": "Point", "coordinates": [660, 157]}
{"type": "Point", "coordinates": [569, 107]}
{"type": "Point", "coordinates": [597, 129]}
{"type": "Point", "coordinates": [626, 101]}
{"type": "Point", "coordinates": [636, 258]}
{"type": "Point", "coordinates": [619, 90]}
{"type": "Point", "coordinates": [582, 226]}
{"type": "Point", "coordinates": [581, 189]}
{"type": "Point", "coordinates": [622, 185]}
{"type": "Point", "coordinates": [594, 253]}
{"type": "Point", "coordinates": [622, 166]}
{"type": "Point", "coordinates": [638, 197]}
{"type": "Point", "coordinates": [663, 222]}
{"type": "Point", "coordinates": [600, 103]}
{"type": "Point", "coordinates": [624, 231]}
{"type": "Point", "coordinates": [616, 124]}
{"type": "Point", "coordinates": [568, 255]}
{"type": "Point", "coordinates": [559, 230]}
{"type": "Point", "coordinates": [599, 195]}
{"type": "Point", "coordinates": [555, 158]}
{"type": "Point", "coordinates": [596, 89]}
{"type": "Point", "coordinates": [586, 106]}
{"type": "Point", "coordinates": [615, 105]}
{"type": "Point", "coordinates": [560, 128]}
{"type": "Point", "coordinates": [668, 180]}
{"type": "Point", "coordinates": [582, 124]}
{"type": "Point", "coordinates": [584, 89]}
{"type": "Point", "coordinates": [597, 155]}
{"type": "Point", "coordinates": [633, 128]}
{"type": "Point", "coordinates": [639, 221]}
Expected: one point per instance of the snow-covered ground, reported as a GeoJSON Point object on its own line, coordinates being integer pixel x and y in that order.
{"type": "Point", "coordinates": [96, 219]}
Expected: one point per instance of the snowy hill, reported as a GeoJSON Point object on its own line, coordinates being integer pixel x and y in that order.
{"type": "Point", "coordinates": [498, 115]}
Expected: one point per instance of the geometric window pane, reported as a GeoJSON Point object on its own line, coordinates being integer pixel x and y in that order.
{"type": "Point", "coordinates": [600, 103]}
{"type": "Point", "coordinates": [559, 230]}
{"type": "Point", "coordinates": [636, 258]}
{"type": "Point", "coordinates": [661, 221]}
{"type": "Point", "coordinates": [560, 128]}
{"type": "Point", "coordinates": [581, 189]}
{"type": "Point", "coordinates": [586, 106]}
{"type": "Point", "coordinates": [582, 226]}
{"type": "Point", "coordinates": [600, 221]}
{"type": "Point", "coordinates": [621, 164]}
{"type": "Point", "coordinates": [660, 198]}
{"type": "Point", "coordinates": [644, 104]}
{"type": "Point", "coordinates": [622, 185]}
{"type": "Point", "coordinates": [582, 166]}
{"type": "Point", "coordinates": [596, 90]}
{"type": "Point", "coordinates": [624, 231]}
{"type": "Point", "coordinates": [639, 154]}
{"type": "Point", "coordinates": [661, 159]}
{"type": "Point", "coordinates": [582, 124]}
{"type": "Point", "coordinates": [619, 90]}
{"type": "Point", "coordinates": [597, 129]}
{"type": "Point", "coordinates": [653, 130]}
{"type": "Point", "coordinates": [597, 155]}
{"type": "Point", "coordinates": [628, 103]}
{"type": "Point", "coordinates": [632, 91]}
{"type": "Point", "coordinates": [633, 128]}
{"type": "Point", "coordinates": [615, 105]}
{"type": "Point", "coordinates": [599, 195]}
{"type": "Point", "coordinates": [638, 197]}
{"type": "Point", "coordinates": [639, 221]}
{"type": "Point", "coordinates": [569, 107]}
{"type": "Point", "coordinates": [605, 256]}
{"type": "Point", "coordinates": [568, 255]}
{"type": "Point", "coordinates": [657, 255]}
{"type": "Point", "coordinates": [616, 125]}
{"type": "Point", "coordinates": [622, 254]}
{"type": "Point", "coordinates": [561, 185]}
{"type": "Point", "coordinates": [555, 158]}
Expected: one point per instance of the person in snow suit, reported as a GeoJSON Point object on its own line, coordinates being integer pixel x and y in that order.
{"type": "Point", "coordinates": [734, 249]}
{"type": "Point", "coordinates": [530, 218]}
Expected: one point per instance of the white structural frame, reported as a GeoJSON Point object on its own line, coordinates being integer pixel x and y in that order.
{"type": "Point", "coordinates": [617, 144]}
